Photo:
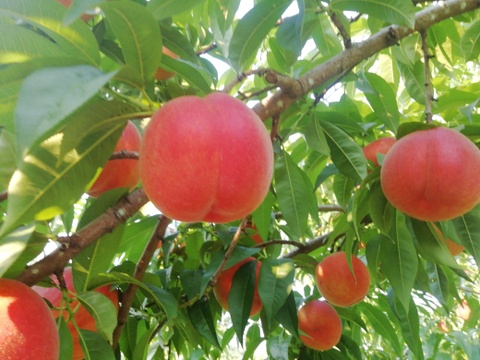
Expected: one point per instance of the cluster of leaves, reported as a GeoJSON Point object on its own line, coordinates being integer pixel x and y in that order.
{"type": "Point", "coordinates": [68, 87]}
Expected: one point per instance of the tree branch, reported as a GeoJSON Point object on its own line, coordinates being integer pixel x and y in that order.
{"type": "Point", "coordinates": [428, 83]}
{"type": "Point", "coordinates": [129, 295]}
{"type": "Point", "coordinates": [72, 245]}
{"type": "Point", "coordinates": [349, 58]}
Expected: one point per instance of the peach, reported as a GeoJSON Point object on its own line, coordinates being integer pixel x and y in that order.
{"type": "Point", "coordinates": [206, 159]}
{"type": "Point", "coordinates": [320, 323]}
{"type": "Point", "coordinates": [432, 175]}
{"type": "Point", "coordinates": [221, 290]}
{"type": "Point", "coordinates": [161, 73]}
{"type": "Point", "coordinates": [27, 327]}
{"type": "Point", "coordinates": [82, 317]}
{"type": "Point", "coordinates": [120, 173]}
{"type": "Point", "coordinates": [379, 146]}
{"type": "Point", "coordinates": [338, 284]}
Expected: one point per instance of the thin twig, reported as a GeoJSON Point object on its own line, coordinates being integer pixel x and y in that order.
{"type": "Point", "coordinates": [428, 83]}
{"type": "Point", "coordinates": [229, 252]}
{"type": "Point", "coordinates": [124, 154]}
{"type": "Point", "coordinates": [309, 246]}
{"type": "Point", "coordinates": [140, 269]}
{"type": "Point", "coordinates": [280, 242]}
{"type": "Point", "coordinates": [3, 195]}
{"type": "Point", "coordinates": [240, 77]}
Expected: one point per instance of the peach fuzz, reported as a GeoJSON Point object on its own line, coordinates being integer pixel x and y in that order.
{"type": "Point", "coordinates": [432, 175]}
{"type": "Point", "coordinates": [206, 159]}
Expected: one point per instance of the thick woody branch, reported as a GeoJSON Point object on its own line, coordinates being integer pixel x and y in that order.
{"type": "Point", "coordinates": [349, 58]}
{"type": "Point", "coordinates": [72, 245]}
{"type": "Point", "coordinates": [140, 269]}
{"type": "Point", "coordinates": [309, 246]}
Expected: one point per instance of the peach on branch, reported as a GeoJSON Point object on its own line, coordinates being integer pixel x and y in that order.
{"type": "Point", "coordinates": [206, 159]}
{"type": "Point", "coordinates": [320, 324]}
{"type": "Point", "coordinates": [223, 285]}
{"type": "Point", "coordinates": [27, 327]}
{"type": "Point", "coordinates": [338, 284]}
{"type": "Point", "coordinates": [379, 146]}
{"type": "Point", "coordinates": [432, 175]}
{"type": "Point", "coordinates": [120, 173]}
{"type": "Point", "coordinates": [83, 319]}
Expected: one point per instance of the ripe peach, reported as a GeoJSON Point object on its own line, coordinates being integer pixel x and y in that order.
{"type": "Point", "coordinates": [379, 146]}
{"type": "Point", "coordinates": [120, 173]}
{"type": "Point", "coordinates": [432, 174]}
{"type": "Point", "coordinates": [222, 287]}
{"type": "Point", "coordinates": [27, 327]}
{"type": "Point", "coordinates": [161, 73]}
{"type": "Point", "coordinates": [67, 3]}
{"type": "Point", "coordinates": [82, 317]}
{"type": "Point", "coordinates": [321, 324]}
{"type": "Point", "coordinates": [336, 282]}
{"type": "Point", "coordinates": [207, 159]}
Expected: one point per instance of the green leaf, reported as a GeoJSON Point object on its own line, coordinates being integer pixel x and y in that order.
{"type": "Point", "coordinates": [201, 317]}
{"type": "Point", "coordinates": [48, 96]}
{"type": "Point", "coordinates": [240, 298]}
{"type": "Point", "coordinates": [163, 9]}
{"type": "Point", "coordinates": [287, 315]}
{"type": "Point", "coordinates": [66, 341]}
{"type": "Point", "coordinates": [252, 29]}
{"type": "Point", "coordinates": [290, 31]}
{"type": "Point", "coordinates": [315, 137]}
{"type": "Point", "coordinates": [102, 310]}
{"type": "Point", "coordinates": [346, 154]}
{"type": "Point", "coordinates": [381, 211]}
{"type": "Point", "coordinates": [430, 246]}
{"type": "Point", "coordinates": [194, 74]}
{"type": "Point", "coordinates": [13, 245]}
{"type": "Point", "coordinates": [135, 238]}
{"type": "Point", "coordinates": [94, 346]}
{"type": "Point", "coordinates": [162, 298]}
{"type": "Point", "coordinates": [34, 247]}
{"type": "Point", "coordinates": [136, 31]}
{"type": "Point", "coordinates": [409, 127]}
{"type": "Point", "coordinates": [410, 325]}
{"type": "Point", "coordinates": [78, 8]}
{"type": "Point", "coordinates": [414, 80]}
{"type": "Point", "coordinates": [439, 285]}
{"type": "Point", "coordinates": [262, 216]}
{"type": "Point", "coordinates": [19, 44]}
{"type": "Point", "coordinates": [381, 97]}
{"type": "Point", "coordinates": [470, 42]}
{"type": "Point", "coordinates": [292, 194]}
{"type": "Point", "coordinates": [75, 40]}
{"type": "Point", "coordinates": [325, 36]}
{"type": "Point", "coordinates": [12, 78]}
{"type": "Point", "coordinates": [8, 158]}
{"type": "Point", "coordinates": [253, 340]}
{"type": "Point", "coordinates": [380, 323]}
{"type": "Point", "coordinates": [142, 345]}
{"type": "Point", "coordinates": [399, 260]}
{"type": "Point", "coordinates": [46, 184]}
{"type": "Point", "coordinates": [275, 284]}
{"type": "Point", "coordinates": [397, 12]}
{"type": "Point", "coordinates": [343, 189]}
{"type": "Point", "coordinates": [468, 230]}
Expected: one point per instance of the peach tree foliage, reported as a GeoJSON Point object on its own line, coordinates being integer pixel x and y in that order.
{"type": "Point", "coordinates": [327, 78]}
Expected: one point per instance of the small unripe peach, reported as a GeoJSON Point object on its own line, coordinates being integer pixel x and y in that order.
{"type": "Point", "coordinates": [321, 324]}
{"type": "Point", "coordinates": [338, 284]}
{"type": "Point", "coordinates": [432, 175]}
